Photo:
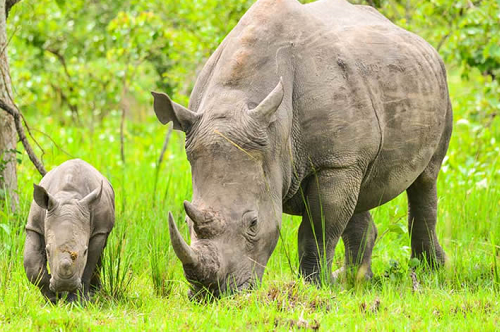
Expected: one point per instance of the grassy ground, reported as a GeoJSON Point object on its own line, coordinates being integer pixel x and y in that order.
{"type": "Point", "coordinates": [144, 286]}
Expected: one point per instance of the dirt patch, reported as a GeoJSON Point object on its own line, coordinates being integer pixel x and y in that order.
{"type": "Point", "coordinates": [471, 307]}
{"type": "Point", "coordinates": [300, 323]}
{"type": "Point", "coordinates": [288, 297]}
{"type": "Point", "coordinates": [374, 307]}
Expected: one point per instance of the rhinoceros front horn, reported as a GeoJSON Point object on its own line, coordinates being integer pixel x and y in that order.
{"type": "Point", "coordinates": [183, 251]}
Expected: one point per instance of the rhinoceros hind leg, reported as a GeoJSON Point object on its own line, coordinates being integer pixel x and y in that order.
{"type": "Point", "coordinates": [359, 237]}
{"type": "Point", "coordinates": [330, 197]}
{"type": "Point", "coordinates": [422, 197]}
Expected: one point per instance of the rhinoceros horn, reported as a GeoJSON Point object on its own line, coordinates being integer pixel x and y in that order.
{"type": "Point", "coordinates": [183, 251]}
{"type": "Point", "coordinates": [266, 110]}
{"type": "Point", "coordinates": [195, 214]}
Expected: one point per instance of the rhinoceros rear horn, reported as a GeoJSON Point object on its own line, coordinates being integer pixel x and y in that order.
{"type": "Point", "coordinates": [195, 215]}
{"type": "Point", "coordinates": [265, 111]}
{"type": "Point", "coordinates": [167, 110]}
{"type": "Point", "coordinates": [183, 251]}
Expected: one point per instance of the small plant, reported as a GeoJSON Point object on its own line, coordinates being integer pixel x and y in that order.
{"type": "Point", "coordinates": [395, 271]}
{"type": "Point", "coordinates": [162, 275]}
{"type": "Point", "coordinates": [116, 273]}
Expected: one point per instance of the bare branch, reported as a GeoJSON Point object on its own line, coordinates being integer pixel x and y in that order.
{"type": "Point", "coordinates": [5, 77]}
{"type": "Point", "coordinates": [22, 136]}
{"type": "Point", "coordinates": [61, 59]}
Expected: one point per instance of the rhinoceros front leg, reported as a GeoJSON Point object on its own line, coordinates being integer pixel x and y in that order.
{"type": "Point", "coordinates": [359, 237]}
{"type": "Point", "coordinates": [90, 278]}
{"type": "Point", "coordinates": [331, 197]}
{"type": "Point", "coordinates": [35, 264]}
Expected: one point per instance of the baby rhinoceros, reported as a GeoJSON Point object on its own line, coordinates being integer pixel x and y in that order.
{"type": "Point", "coordinates": [71, 216]}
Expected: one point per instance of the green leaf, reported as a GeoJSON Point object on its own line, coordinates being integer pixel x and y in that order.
{"type": "Point", "coordinates": [397, 228]}
{"type": "Point", "coordinates": [6, 228]}
{"type": "Point", "coordinates": [414, 262]}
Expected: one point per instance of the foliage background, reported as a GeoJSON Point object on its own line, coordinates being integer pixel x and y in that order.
{"type": "Point", "coordinates": [78, 66]}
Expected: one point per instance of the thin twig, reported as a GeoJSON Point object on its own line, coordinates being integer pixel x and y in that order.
{"type": "Point", "coordinates": [53, 142]}
{"type": "Point", "coordinates": [22, 136]}
{"type": "Point", "coordinates": [62, 60]}
{"type": "Point", "coordinates": [122, 125]}
{"type": "Point", "coordinates": [164, 147]}
{"type": "Point", "coordinates": [8, 41]}
{"type": "Point", "coordinates": [442, 41]}
{"type": "Point", "coordinates": [31, 135]}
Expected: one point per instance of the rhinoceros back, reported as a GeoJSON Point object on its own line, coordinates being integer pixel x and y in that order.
{"type": "Point", "coordinates": [76, 179]}
{"type": "Point", "coordinates": [359, 90]}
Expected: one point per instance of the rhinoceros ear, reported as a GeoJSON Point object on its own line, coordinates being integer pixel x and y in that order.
{"type": "Point", "coordinates": [93, 196]}
{"type": "Point", "coordinates": [266, 110]}
{"type": "Point", "coordinates": [167, 110]}
{"type": "Point", "coordinates": [43, 198]}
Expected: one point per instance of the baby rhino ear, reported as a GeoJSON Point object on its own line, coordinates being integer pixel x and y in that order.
{"type": "Point", "coordinates": [93, 196]}
{"type": "Point", "coordinates": [43, 198]}
{"type": "Point", "coordinates": [167, 110]}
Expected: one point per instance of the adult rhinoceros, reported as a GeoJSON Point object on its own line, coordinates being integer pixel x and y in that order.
{"type": "Point", "coordinates": [324, 110]}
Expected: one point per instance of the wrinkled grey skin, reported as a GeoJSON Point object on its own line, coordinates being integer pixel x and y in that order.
{"type": "Point", "coordinates": [71, 216]}
{"type": "Point", "coordinates": [326, 103]}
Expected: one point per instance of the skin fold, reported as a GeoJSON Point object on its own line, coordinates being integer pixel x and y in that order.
{"type": "Point", "coordinates": [70, 218]}
{"type": "Point", "coordinates": [326, 111]}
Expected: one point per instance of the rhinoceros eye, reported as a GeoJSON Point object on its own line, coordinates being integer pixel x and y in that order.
{"type": "Point", "coordinates": [253, 223]}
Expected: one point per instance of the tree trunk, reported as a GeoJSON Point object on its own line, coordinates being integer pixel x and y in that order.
{"type": "Point", "coordinates": [8, 175]}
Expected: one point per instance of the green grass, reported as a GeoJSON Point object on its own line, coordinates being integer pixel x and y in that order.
{"type": "Point", "coordinates": [145, 289]}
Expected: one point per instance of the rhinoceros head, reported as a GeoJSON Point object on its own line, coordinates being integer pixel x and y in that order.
{"type": "Point", "coordinates": [67, 232]}
{"type": "Point", "coordinates": [234, 217]}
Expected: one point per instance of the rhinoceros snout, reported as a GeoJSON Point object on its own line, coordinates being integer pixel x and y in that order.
{"type": "Point", "coordinates": [64, 285]}
{"type": "Point", "coordinates": [65, 269]}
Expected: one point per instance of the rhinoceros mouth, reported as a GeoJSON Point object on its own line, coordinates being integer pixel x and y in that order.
{"type": "Point", "coordinates": [65, 285]}
{"type": "Point", "coordinates": [199, 293]}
